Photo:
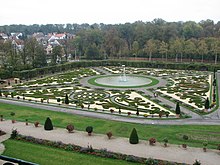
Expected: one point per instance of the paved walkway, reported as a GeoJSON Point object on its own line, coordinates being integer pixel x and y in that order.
{"type": "Point", "coordinates": [118, 144]}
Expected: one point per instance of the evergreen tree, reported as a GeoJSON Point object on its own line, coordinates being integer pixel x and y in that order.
{"type": "Point", "coordinates": [177, 108]}
{"type": "Point", "coordinates": [134, 137]}
{"type": "Point", "coordinates": [207, 103]}
{"type": "Point", "coordinates": [66, 100]}
{"type": "Point", "coordinates": [48, 124]}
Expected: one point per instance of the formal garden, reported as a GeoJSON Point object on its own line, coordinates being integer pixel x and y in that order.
{"type": "Point", "coordinates": [93, 89]}
{"type": "Point", "coordinates": [114, 90]}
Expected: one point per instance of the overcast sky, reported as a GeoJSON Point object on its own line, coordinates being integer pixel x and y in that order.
{"type": "Point", "coordinates": [105, 11]}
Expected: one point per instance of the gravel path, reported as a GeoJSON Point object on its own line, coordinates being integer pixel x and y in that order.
{"type": "Point", "coordinates": [118, 144]}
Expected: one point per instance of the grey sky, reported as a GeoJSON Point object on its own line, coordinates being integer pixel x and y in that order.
{"type": "Point", "coordinates": [105, 11]}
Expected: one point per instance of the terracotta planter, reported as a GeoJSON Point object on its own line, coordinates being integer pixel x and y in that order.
{"type": "Point", "coordinates": [204, 149]}
{"type": "Point", "coordinates": [184, 145]}
{"type": "Point", "coordinates": [89, 133]}
{"type": "Point", "coordinates": [13, 121]}
{"type": "Point", "coordinates": [26, 123]}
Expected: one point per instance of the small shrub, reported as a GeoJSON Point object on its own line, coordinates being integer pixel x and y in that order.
{"type": "Point", "coordinates": [89, 129]}
{"type": "Point", "coordinates": [70, 128]}
{"type": "Point", "coordinates": [152, 141]}
{"type": "Point", "coordinates": [109, 134]}
{"type": "Point", "coordinates": [134, 137]}
{"type": "Point", "coordinates": [14, 133]}
{"type": "Point", "coordinates": [2, 132]}
{"type": "Point", "coordinates": [48, 124]}
{"type": "Point", "coordinates": [196, 162]}
{"type": "Point", "coordinates": [151, 161]}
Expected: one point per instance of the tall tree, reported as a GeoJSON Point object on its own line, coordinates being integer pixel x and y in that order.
{"type": "Point", "coordinates": [163, 49]}
{"type": "Point", "coordinates": [56, 54]}
{"type": "Point", "coordinates": [202, 48]}
{"type": "Point", "coordinates": [135, 48]}
{"type": "Point", "coordinates": [151, 48]}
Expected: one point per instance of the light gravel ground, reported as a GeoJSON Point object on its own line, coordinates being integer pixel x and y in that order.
{"type": "Point", "coordinates": [118, 144]}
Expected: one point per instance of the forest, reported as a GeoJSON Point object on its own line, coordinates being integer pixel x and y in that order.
{"type": "Point", "coordinates": [157, 39]}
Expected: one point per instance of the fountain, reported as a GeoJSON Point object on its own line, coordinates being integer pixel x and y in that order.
{"type": "Point", "coordinates": [122, 80]}
{"type": "Point", "coordinates": [123, 76]}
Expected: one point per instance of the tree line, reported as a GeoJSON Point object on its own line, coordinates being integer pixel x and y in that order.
{"type": "Point", "coordinates": [155, 39]}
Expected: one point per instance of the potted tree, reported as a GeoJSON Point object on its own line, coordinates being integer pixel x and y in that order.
{"type": "Point", "coordinates": [165, 140]}
{"type": "Point", "coordinates": [89, 130]}
{"type": "Point", "coordinates": [26, 121]}
{"type": "Point", "coordinates": [185, 138]}
{"type": "Point", "coordinates": [1, 117]}
{"type": "Point", "coordinates": [12, 115]}
{"type": "Point", "coordinates": [205, 146]}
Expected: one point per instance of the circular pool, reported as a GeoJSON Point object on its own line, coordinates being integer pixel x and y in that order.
{"type": "Point", "coordinates": [120, 81]}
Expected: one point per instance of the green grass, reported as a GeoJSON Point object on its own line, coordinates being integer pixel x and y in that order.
{"type": "Point", "coordinates": [93, 82]}
{"type": "Point", "coordinates": [49, 156]}
{"type": "Point", "coordinates": [197, 133]}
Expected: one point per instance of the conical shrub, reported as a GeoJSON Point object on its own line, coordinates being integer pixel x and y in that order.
{"type": "Point", "coordinates": [48, 124]}
{"type": "Point", "coordinates": [134, 137]}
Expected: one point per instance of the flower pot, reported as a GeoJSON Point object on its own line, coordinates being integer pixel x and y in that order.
{"type": "Point", "coordinates": [13, 121]}
{"type": "Point", "coordinates": [89, 133]}
{"type": "Point", "coordinates": [184, 145]}
{"type": "Point", "coordinates": [204, 149]}
{"type": "Point", "coordinates": [26, 123]}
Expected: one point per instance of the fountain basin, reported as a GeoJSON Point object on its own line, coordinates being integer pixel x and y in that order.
{"type": "Point", "coordinates": [116, 81]}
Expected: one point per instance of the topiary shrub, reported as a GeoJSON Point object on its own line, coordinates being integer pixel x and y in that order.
{"type": "Point", "coordinates": [134, 137]}
{"type": "Point", "coordinates": [70, 128]}
{"type": "Point", "coordinates": [48, 124]}
{"type": "Point", "coordinates": [66, 100]}
{"type": "Point", "coordinates": [89, 129]}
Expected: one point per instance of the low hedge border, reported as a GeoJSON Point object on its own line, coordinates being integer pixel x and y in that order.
{"type": "Point", "coordinates": [89, 150]}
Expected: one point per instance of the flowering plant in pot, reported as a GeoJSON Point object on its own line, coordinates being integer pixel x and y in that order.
{"type": "Point", "coordinates": [36, 124]}
{"type": "Point", "coordinates": [70, 128]}
{"type": "Point", "coordinates": [152, 141]}
{"type": "Point", "coordinates": [109, 134]}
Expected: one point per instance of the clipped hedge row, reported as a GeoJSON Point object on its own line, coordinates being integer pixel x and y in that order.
{"type": "Point", "coordinates": [26, 74]}
{"type": "Point", "coordinates": [89, 150]}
